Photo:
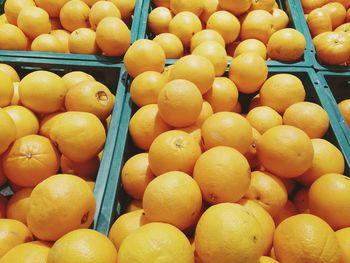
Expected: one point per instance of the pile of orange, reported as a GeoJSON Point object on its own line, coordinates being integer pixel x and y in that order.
{"type": "Point", "coordinates": [181, 27]}
{"type": "Point", "coordinates": [67, 26]}
{"type": "Point", "coordinates": [329, 24]}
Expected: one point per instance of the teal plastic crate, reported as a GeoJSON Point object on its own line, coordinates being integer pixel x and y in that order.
{"type": "Point", "coordinates": [115, 200]}
{"type": "Point", "coordinates": [337, 86]}
{"type": "Point", "coordinates": [111, 77]}
{"type": "Point", "coordinates": [287, 5]}
{"type": "Point", "coordinates": [9, 55]}
{"type": "Point", "coordinates": [305, 30]}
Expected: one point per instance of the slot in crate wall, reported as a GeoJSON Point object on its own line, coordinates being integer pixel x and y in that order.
{"type": "Point", "coordinates": [116, 200]}
{"type": "Point", "coordinates": [111, 77]}
{"type": "Point", "coordinates": [287, 5]}
{"type": "Point", "coordinates": [8, 55]}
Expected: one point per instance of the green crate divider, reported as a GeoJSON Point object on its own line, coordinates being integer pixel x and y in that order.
{"type": "Point", "coordinates": [111, 77]}
{"type": "Point", "coordinates": [305, 29]}
{"type": "Point", "coordinates": [286, 5]}
{"type": "Point", "coordinates": [337, 86]}
{"type": "Point", "coordinates": [115, 200]}
{"type": "Point", "coordinates": [7, 55]}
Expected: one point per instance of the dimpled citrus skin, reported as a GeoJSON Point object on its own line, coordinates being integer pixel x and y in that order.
{"type": "Point", "coordinates": [35, 251]}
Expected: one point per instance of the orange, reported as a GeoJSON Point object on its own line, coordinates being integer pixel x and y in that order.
{"type": "Point", "coordinates": [309, 5]}
{"type": "Point", "coordinates": [15, 99]}
{"type": "Point", "coordinates": [18, 205]}
{"type": "Point", "coordinates": [13, 7]}
{"type": "Point", "coordinates": [337, 12]}
{"type": "Point", "coordinates": [238, 238]}
{"type": "Point", "coordinates": [13, 233]}
{"type": "Point", "coordinates": [74, 14]}
{"type": "Point", "coordinates": [194, 6]}
{"type": "Point", "coordinates": [286, 45]}
{"type": "Point", "coordinates": [248, 71]}
{"type": "Point", "coordinates": [165, 3]}
{"type": "Point", "coordinates": [301, 200]}
{"type": "Point", "coordinates": [166, 72]}
{"type": "Point", "coordinates": [209, 7]}
{"type": "Point", "coordinates": [343, 28]}
{"type": "Point", "coordinates": [343, 236]}
{"type": "Point", "coordinates": [172, 245]}
{"type": "Point", "coordinates": [262, 5]}
{"type": "Point", "coordinates": [240, 6]}
{"type": "Point", "coordinates": [184, 25]}
{"type": "Point", "coordinates": [126, 7]}
{"type": "Point", "coordinates": [51, 214]}
{"type": "Point", "coordinates": [74, 77]}
{"type": "Point", "coordinates": [8, 130]}
{"type": "Point", "coordinates": [100, 10]}
{"type": "Point", "coordinates": [258, 24]}
{"type": "Point", "coordinates": [3, 19]}
{"type": "Point", "coordinates": [268, 191]}
{"type": "Point", "coordinates": [83, 41]}
{"type": "Point", "coordinates": [145, 87]}
{"type": "Point", "coordinates": [7, 90]}
{"type": "Point", "coordinates": [280, 19]}
{"type": "Point", "coordinates": [79, 135]}
{"type": "Point", "coordinates": [145, 125]}
{"type": "Point", "coordinates": [206, 35]}
{"type": "Point", "coordinates": [216, 53]}
{"type": "Point", "coordinates": [287, 211]}
{"type": "Point", "coordinates": [159, 19]}
{"type": "Point", "coordinates": [223, 175]}
{"type": "Point", "coordinates": [226, 24]}
{"type": "Point", "coordinates": [62, 36]}
{"type": "Point", "coordinates": [125, 225]}
{"type": "Point", "coordinates": [265, 220]}
{"type": "Point", "coordinates": [10, 71]}
{"type": "Point", "coordinates": [301, 114]}
{"type": "Point", "coordinates": [344, 107]}
{"type": "Point", "coordinates": [48, 95]}
{"type": "Point", "coordinates": [173, 151]}
{"type": "Point", "coordinates": [153, 57]}
{"type": "Point", "coordinates": [251, 153]}
{"type": "Point", "coordinates": [34, 21]}
{"type": "Point", "coordinates": [136, 175]}
{"type": "Point", "coordinates": [12, 38]}
{"type": "Point", "coordinates": [223, 95]}
{"type": "Point", "coordinates": [218, 129]}
{"type": "Point", "coordinates": [328, 197]}
{"type": "Point", "coordinates": [83, 245]}
{"type": "Point", "coordinates": [196, 69]}
{"type": "Point", "coordinates": [133, 206]}
{"type": "Point", "coordinates": [285, 151]}
{"type": "Point", "coordinates": [47, 43]}
{"type": "Point", "coordinates": [180, 103]}
{"type": "Point", "coordinates": [327, 159]}
{"type": "Point", "coordinates": [87, 170]}
{"type": "Point", "coordinates": [306, 238]}
{"type": "Point", "coordinates": [46, 123]}
{"type": "Point", "coordinates": [90, 96]}
{"type": "Point", "coordinates": [205, 113]}
{"type": "Point", "coordinates": [171, 45]}
{"type": "Point", "coordinates": [263, 118]}
{"type": "Point", "coordinates": [25, 120]}
{"type": "Point", "coordinates": [52, 7]}
{"type": "Point", "coordinates": [3, 205]}
{"type": "Point", "coordinates": [281, 91]}
{"type": "Point", "coordinates": [251, 45]}
{"type": "Point", "coordinates": [173, 198]}
{"type": "Point", "coordinates": [319, 21]}
{"type": "Point", "coordinates": [113, 36]}
{"type": "Point", "coordinates": [265, 259]}
{"type": "Point", "coordinates": [35, 251]}
{"type": "Point", "coordinates": [30, 160]}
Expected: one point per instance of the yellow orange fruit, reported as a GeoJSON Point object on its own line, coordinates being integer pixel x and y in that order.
{"type": "Point", "coordinates": [237, 239]}
{"type": "Point", "coordinates": [15, 98]}
{"type": "Point", "coordinates": [10, 71]}
{"type": "Point", "coordinates": [83, 245]}
{"type": "Point", "coordinates": [46, 123]}
{"type": "Point", "coordinates": [7, 90]}
{"type": "Point", "coordinates": [12, 38]}
{"type": "Point", "coordinates": [206, 35]}
{"type": "Point", "coordinates": [344, 107]}
{"type": "Point", "coordinates": [173, 151]}
{"type": "Point", "coordinates": [8, 130]}
{"type": "Point", "coordinates": [113, 36]}
{"type": "Point", "coordinates": [47, 43]}
{"type": "Point", "coordinates": [251, 153]}
{"type": "Point", "coordinates": [251, 45]}
{"type": "Point", "coordinates": [180, 103]}
{"type": "Point", "coordinates": [145, 125]}
{"type": "Point", "coordinates": [327, 198]}
{"type": "Point", "coordinates": [319, 21]}
{"type": "Point", "coordinates": [62, 36]}
{"type": "Point", "coordinates": [173, 245]}
{"type": "Point", "coordinates": [196, 69]}
{"type": "Point", "coordinates": [312, 238]}
{"type": "Point", "coordinates": [126, 7]}
{"type": "Point", "coordinates": [343, 236]}
{"type": "Point", "coordinates": [82, 41]}
{"type": "Point", "coordinates": [263, 118]}
{"type": "Point", "coordinates": [195, 6]}
{"type": "Point", "coordinates": [52, 7]}
{"type": "Point", "coordinates": [337, 13]}
{"type": "Point", "coordinates": [87, 170]}
{"type": "Point", "coordinates": [159, 19]}
{"type": "Point", "coordinates": [35, 251]}
{"type": "Point", "coordinates": [240, 6]}
{"type": "Point", "coordinates": [308, 5]}
{"type": "Point", "coordinates": [136, 175]}
{"type": "Point", "coordinates": [18, 205]}
{"type": "Point", "coordinates": [220, 170]}
{"type": "Point", "coordinates": [262, 5]}
{"type": "Point", "coordinates": [265, 259]}
{"type": "Point", "coordinates": [153, 57]}
{"type": "Point", "coordinates": [280, 19]}
{"type": "Point", "coordinates": [74, 14]}
{"type": "Point", "coordinates": [34, 21]}
{"type": "Point", "coordinates": [74, 77]}
{"type": "Point", "coordinates": [100, 10]}
{"type": "Point", "coordinates": [209, 7]}
{"type": "Point", "coordinates": [171, 45]}
{"type": "Point", "coordinates": [13, 7]}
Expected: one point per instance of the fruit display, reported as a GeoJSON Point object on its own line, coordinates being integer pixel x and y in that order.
{"type": "Point", "coordinates": [67, 26]}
